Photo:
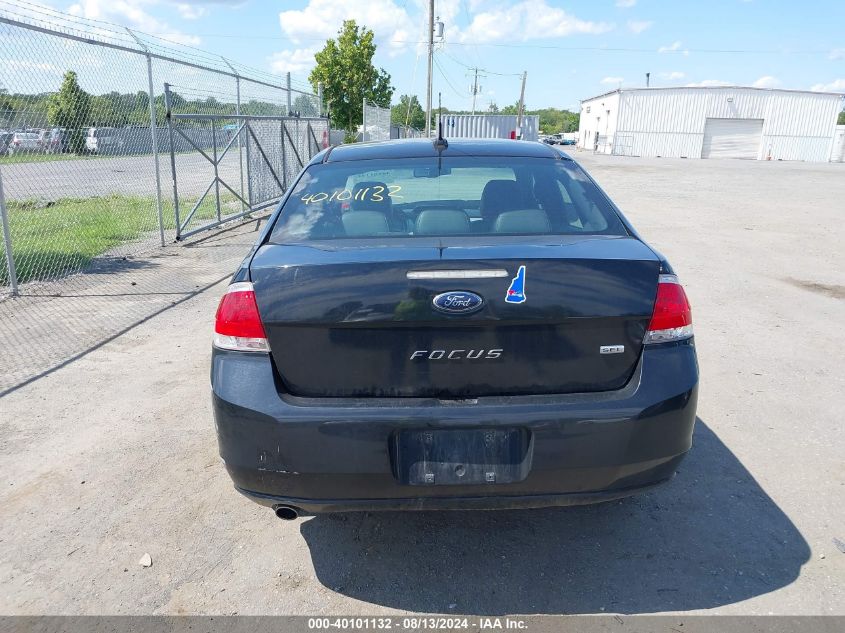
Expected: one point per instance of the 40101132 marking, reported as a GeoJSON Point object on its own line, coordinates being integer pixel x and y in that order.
{"type": "Point", "coordinates": [375, 193]}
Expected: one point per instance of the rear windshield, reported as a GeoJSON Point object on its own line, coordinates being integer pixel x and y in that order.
{"type": "Point", "coordinates": [457, 195]}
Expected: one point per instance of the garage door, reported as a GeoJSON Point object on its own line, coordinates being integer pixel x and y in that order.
{"type": "Point", "coordinates": [732, 138]}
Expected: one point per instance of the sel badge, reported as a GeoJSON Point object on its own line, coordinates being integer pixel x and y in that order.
{"type": "Point", "coordinates": [516, 291]}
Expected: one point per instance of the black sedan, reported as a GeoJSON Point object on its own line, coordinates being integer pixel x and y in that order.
{"type": "Point", "coordinates": [435, 326]}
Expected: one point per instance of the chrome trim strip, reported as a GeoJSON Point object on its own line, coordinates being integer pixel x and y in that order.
{"type": "Point", "coordinates": [456, 274]}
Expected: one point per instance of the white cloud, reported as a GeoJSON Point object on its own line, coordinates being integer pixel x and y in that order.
{"type": "Point", "coordinates": [638, 26]}
{"type": "Point", "coordinates": [613, 80]}
{"type": "Point", "coordinates": [321, 19]}
{"type": "Point", "coordinates": [296, 61]}
{"type": "Point", "coordinates": [131, 13]}
{"type": "Point", "coordinates": [767, 82]}
{"type": "Point", "coordinates": [527, 20]}
{"type": "Point", "coordinates": [709, 83]}
{"type": "Point", "coordinates": [29, 65]}
{"type": "Point", "coordinates": [837, 85]}
{"type": "Point", "coordinates": [625, 4]}
{"type": "Point", "coordinates": [397, 29]}
{"type": "Point", "coordinates": [673, 75]}
{"type": "Point", "coordinates": [837, 53]}
{"type": "Point", "coordinates": [674, 47]}
{"type": "Point", "coordinates": [191, 11]}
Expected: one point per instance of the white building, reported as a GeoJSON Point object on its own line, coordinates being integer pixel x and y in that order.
{"type": "Point", "coordinates": [711, 122]}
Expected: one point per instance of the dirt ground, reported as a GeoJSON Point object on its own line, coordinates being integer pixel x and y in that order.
{"type": "Point", "coordinates": [111, 453]}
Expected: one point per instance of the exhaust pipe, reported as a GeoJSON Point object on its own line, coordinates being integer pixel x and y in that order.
{"type": "Point", "coordinates": [286, 513]}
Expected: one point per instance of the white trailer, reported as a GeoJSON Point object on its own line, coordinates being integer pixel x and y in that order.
{"type": "Point", "coordinates": [489, 126]}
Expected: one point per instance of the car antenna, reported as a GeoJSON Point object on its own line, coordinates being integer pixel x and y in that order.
{"type": "Point", "coordinates": [440, 143]}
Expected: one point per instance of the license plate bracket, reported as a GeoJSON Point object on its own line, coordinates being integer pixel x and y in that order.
{"type": "Point", "coordinates": [436, 457]}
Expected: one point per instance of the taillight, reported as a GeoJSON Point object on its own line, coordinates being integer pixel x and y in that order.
{"type": "Point", "coordinates": [672, 316]}
{"type": "Point", "coordinates": [238, 325]}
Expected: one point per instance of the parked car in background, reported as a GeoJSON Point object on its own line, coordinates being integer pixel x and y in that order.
{"type": "Point", "coordinates": [5, 140]}
{"type": "Point", "coordinates": [103, 140]}
{"type": "Point", "coordinates": [53, 141]}
{"type": "Point", "coordinates": [567, 141]}
{"type": "Point", "coordinates": [23, 142]}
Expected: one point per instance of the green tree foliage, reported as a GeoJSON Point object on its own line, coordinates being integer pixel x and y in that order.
{"type": "Point", "coordinates": [841, 119]}
{"type": "Point", "coordinates": [7, 107]}
{"type": "Point", "coordinates": [305, 106]}
{"type": "Point", "coordinates": [553, 120]}
{"type": "Point", "coordinates": [399, 112]}
{"type": "Point", "coordinates": [70, 108]}
{"type": "Point", "coordinates": [345, 67]}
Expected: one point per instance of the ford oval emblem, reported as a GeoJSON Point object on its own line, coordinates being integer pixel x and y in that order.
{"type": "Point", "coordinates": [457, 302]}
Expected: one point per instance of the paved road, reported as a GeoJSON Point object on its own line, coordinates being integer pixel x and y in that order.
{"type": "Point", "coordinates": [114, 455]}
{"type": "Point", "coordinates": [101, 176]}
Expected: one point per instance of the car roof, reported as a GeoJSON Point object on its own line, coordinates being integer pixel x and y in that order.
{"type": "Point", "coordinates": [421, 148]}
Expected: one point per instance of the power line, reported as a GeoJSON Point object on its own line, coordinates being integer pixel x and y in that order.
{"type": "Point", "coordinates": [488, 72]}
{"type": "Point", "coordinates": [446, 79]}
{"type": "Point", "coordinates": [606, 49]}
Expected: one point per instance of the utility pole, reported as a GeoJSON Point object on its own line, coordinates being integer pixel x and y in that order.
{"type": "Point", "coordinates": [521, 106]}
{"type": "Point", "coordinates": [430, 63]}
{"type": "Point", "coordinates": [474, 89]}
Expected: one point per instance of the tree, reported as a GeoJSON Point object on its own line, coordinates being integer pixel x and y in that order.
{"type": "Point", "coordinates": [345, 67]}
{"type": "Point", "coordinates": [399, 113]}
{"type": "Point", "coordinates": [841, 119]}
{"type": "Point", "coordinates": [305, 106]}
{"type": "Point", "coordinates": [70, 108]}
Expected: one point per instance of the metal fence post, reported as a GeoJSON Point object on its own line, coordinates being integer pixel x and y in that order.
{"type": "Point", "coordinates": [216, 170]}
{"type": "Point", "coordinates": [7, 240]}
{"type": "Point", "coordinates": [172, 157]}
{"type": "Point", "coordinates": [290, 109]}
{"type": "Point", "coordinates": [238, 113]}
{"type": "Point", "coordinates": [153, 132]}
{"type": "Point", "coordinates": [320, 98]}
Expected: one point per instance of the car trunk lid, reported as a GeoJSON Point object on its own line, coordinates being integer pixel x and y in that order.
{"type": "Point", "coordinates": [357, 320]}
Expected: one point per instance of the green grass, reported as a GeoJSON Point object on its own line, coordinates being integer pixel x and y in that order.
{"type": "Point", "coordinates": [33, 157]}
{"type": "Point", "coordinates": [67, 235]}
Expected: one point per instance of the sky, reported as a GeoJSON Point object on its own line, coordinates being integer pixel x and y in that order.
{"type": "Point", "coordinates": [570, 50]}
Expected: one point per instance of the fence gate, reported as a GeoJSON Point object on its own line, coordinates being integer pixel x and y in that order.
{"type": "Point", "coordinates": [226, 166]}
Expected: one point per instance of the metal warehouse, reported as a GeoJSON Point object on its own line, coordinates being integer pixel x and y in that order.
{"type": "Point", "coordinates": [712, 122]}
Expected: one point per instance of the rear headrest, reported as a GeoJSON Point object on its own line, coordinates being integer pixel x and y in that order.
{"type": "Point", "coordinates": [523, 221]}
{"type": "Point", "coordinates": [442, 222]}
{"type": "Point", "coordinates": [364, 223]}
{"type": "Point", "coordinates": [498, 196]}
{"type": "Point", "coordinates": [548, 194]}
{"type": "Point", "coordinates": [371, 199]}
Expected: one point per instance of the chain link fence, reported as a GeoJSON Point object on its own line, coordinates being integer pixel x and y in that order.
{"type": "Point", "coordinates": [376, 123]}
{"type": "Point", "coordinates": [85, 173]}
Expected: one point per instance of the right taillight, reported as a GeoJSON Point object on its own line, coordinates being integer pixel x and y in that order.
{"type": "Point", "coordinates": [672, 316]}
{"type": "Point", "coordinates": [238, 325]}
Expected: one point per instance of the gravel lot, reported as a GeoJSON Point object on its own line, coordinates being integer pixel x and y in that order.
{"type": "Point", "coordinates": [113, 454]}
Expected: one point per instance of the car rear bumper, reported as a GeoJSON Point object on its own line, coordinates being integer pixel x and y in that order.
{"type": "Point", "coordinates": [329, 455]}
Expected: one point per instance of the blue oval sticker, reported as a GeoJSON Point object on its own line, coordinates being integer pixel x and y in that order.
{"type": "Point", "coordinates": [457, 302]}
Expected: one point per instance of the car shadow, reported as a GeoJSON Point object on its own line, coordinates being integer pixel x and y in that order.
{"type": "Point", "coordinates": [709, 538]}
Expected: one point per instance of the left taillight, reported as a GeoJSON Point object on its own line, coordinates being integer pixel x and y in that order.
{"type": "Point", "coordinates": [672, 316]}
{"type": "Point", "coordinates": [238, 324]}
